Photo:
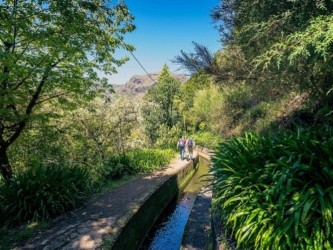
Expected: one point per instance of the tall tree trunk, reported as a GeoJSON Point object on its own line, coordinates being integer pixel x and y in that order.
{"type": "Point", "coordinates": [5, 168]}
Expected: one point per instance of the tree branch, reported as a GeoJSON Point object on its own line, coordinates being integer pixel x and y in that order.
{"type": "Point", "coordinates": [31, 104]}
{"type": "Point", "coordinates": [51, 97]}
{"type": "Point", "coordinates": [2, 127]}
{"type": "Point", "coordinates": [20, 83]}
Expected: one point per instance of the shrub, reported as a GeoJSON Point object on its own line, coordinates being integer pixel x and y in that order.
{"type": "Point", "coordinates": [117, 166]}
{"type": "Point", "coordinates": [136, 161]}
{"type": "Point", "coordinates": [167, 138]}
{"type": "Point", "coordinates": [207, 139]}
{"type": "Point", "coordinates": [42, 192]}
{"type": "Point", "coordinates": [276, 189]}
{"type": "Point", "coordinates": [147, 160]}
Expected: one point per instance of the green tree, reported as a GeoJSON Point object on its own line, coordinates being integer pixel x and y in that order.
{"type": "Point", "coordinates": [97, 131]}
{"type": "Point", "coordinates": [185, 100]}
{"type": "Point", "coordinates": [161, 97]}
{"type": "Point", "coordinates": [286, 42]}
{"type": "Point", "coordinates": [52, 49]}
{"type": "Point", "coordinates": [42, 142]}
{"type": "Point", "coordinates": [207, 109]}
{"type": "Point", "coordinates": [199, 60]}
{"type": "Point", "coordinates": [124, 118]}
{"type": "Point", "coordinates": [152, 115]}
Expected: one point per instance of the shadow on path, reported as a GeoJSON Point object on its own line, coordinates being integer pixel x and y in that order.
{"type": "Point", "coordinates": [84, 228]}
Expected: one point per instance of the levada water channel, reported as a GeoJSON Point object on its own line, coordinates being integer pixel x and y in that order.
{"type": "Point", "coordinates": [168, 230]}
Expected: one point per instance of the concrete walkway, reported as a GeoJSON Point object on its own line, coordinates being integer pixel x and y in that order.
{"type": "Point", "coordinates": [198, 234]}
{"type": "Point", "coordinates": [106, 215]}
{"type": "Point", "coordinates": [198, 231]}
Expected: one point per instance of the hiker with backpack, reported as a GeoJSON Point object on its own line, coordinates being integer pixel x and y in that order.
{"type": "Point", "coordinates": [181, 146]}
{"type": "Point", "coordinates": [190, 144]}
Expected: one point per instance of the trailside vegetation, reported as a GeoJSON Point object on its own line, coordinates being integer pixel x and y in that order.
{"type": "Point", "coordinates": [51, 50]}
{"type": "Point", "coordinates": [273, 184]}
{"type": "Point", "coordinates": [159, 104]}
{"type": "Point", "coordinates": [63, 134]}
{"type": "Point", "coordinates": [61, 162]}
{"type": "Point", "coordinates": [263, 103]}
{"type": "Point", "coordinates": [275, 189]}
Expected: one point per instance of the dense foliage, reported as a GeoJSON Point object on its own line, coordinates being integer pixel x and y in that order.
{"type": "Point", "coordinates": [146, 160]}
{"type": "Point", "coordinates": [43, 192]}
{"type": "Point", "coordinates": [274, 71]}
{"type": "Point", "coordinates": [159, 104]}
{"type": "Point", "coordinates": [58, 141]}
{"type": "Point", "coordinates": [134, 162]}
{"type": "Point", "coordinates": [275, 190]}
{"type": "Point", "coordinates": [50, 50]}
{"type": "Point", "coordinates": [286, 42]}
{"type": "Point", "coordinates": [275, 62]}
{"type": "Point", "coordinates": [98, 139]}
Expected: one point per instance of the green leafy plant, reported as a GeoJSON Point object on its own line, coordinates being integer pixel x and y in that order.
{"type": "Point", "coordinates": [207, 139]}
{"type": "Point", "coordinates": [43, 192]}
{"type": "Point", "coordinates": [117, 166]}
{"type": "Point", "coordinates": [167, 138]}
{"type": "Point", "coordinates": [48, 68]}
{"type": "Point", "coordinates": [136, 161]}
{"type": "Point", "coordinates": [275, 190]}
{"type": "Point", "coordinates": [147, 160]}
{"type": "Point", "coordinates": [160, 104]}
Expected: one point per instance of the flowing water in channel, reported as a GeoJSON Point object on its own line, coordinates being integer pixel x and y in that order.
{"type": "Point", "coordinates": [168, 230]}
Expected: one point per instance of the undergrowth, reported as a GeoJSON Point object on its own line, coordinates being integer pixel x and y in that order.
{"type": "Point", "coordinates": [275, 190]}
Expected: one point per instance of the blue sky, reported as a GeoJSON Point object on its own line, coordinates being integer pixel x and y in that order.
{"type": "Point", "coordinates": [163, 29]}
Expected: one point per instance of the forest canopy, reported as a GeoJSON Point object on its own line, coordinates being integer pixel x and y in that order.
{"type": "Point", "coordinates": [52, 50]}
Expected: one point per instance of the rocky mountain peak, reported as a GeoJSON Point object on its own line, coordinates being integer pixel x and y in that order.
{"type": "Point", "coordinates": [140, 83]}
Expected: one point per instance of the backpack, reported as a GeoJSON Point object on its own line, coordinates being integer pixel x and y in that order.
{"type": "Point", "coordinates": [181, 143]}
{"type": "Point", "coordinates": [190, 143]}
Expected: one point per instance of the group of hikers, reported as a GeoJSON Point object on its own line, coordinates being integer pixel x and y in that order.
{"type": "Point", "coordinates": [185, 147]}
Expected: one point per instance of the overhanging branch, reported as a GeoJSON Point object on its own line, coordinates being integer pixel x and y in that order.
{"type": "Point", "coordinates": [32, 104]}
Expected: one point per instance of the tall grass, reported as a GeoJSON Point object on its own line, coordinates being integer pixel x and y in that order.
{"type": "Point", "coordinates": [276, 190]}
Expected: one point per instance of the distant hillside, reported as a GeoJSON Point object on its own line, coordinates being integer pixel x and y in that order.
{"type": "Point", "coordinates": [140, 83]}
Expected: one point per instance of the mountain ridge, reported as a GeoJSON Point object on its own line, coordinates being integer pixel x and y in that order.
{"type": "Point", "coordinates": [141, 83]}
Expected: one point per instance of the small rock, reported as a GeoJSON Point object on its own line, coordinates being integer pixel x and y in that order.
{"type": "Point", "coordinates": [94, 217]}
{"type": "Point", "coordinates": [83, 230]}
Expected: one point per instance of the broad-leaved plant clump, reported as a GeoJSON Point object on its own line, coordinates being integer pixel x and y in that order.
{"type": "Point", "coordinates": [275, 190]}
{"type": "Point", "coordinates": [43, 192]}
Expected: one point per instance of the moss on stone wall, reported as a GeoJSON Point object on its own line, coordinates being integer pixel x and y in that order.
{"type": "Point", "coordinates": [138, 225]}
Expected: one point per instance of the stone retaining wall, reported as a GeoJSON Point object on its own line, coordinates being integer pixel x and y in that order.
{"type": "Point", "coordinates": [141, 220]}
{"type": "Point", "coordinates": [204, 152]}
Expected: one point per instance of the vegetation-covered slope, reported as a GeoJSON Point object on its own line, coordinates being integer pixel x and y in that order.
{"type": "Point", "coordinates": [263, 102]}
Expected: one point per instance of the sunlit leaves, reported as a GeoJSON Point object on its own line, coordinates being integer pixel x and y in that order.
{"type": "Point", "coordinates": [101, 129]}
{"type": "Point", "coordinates": [51, 50]}
{"type": "Point", "coordinates": [314, 41]}
{"type": "Point", "coordinates": [199, 60]}
{"type": "Point", "coordinates": [275, 190]}
{"type": "Point", "coordinates": [160, 104]}
{"type": "Point", "coordinates": [284, 42]}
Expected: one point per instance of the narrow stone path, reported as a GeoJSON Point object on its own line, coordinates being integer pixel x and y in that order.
{"type": "Point", "coordinates": [84, 228]}
{"type": "Point", "coordinates": [198, 233]}
{"type": "Point", "coordinates": [198, 230]}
